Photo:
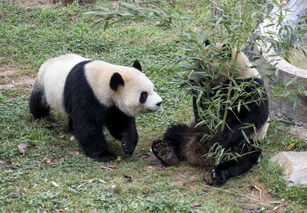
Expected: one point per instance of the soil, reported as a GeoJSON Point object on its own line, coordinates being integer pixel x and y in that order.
{"type": "Point", "coordinates": [255, 192]}
{"type": "Point", "coordinates": [31, 3]}
{"type": "Point", "coordinates": [46, 3]}
{"type": "Point", "coordinates": [11, 77]}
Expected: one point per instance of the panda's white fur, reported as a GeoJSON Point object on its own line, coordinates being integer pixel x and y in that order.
{"type": "Point", "coordinates": [99, 73]}
{"type": "Point", "coordinates": [244, 65]}
{"type": "Point", "coordinates": [52, 76]}
{"type": "Point", "coordinates": [53, 73]}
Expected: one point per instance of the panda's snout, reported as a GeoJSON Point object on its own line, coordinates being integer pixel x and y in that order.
{"type": "Point", "coordinates": [159, 103]}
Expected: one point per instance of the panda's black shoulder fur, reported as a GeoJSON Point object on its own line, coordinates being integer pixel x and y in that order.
{"type": "Point", "coordinates": [88, 115]}
{"type": "Point", "coordinates": [76, 84]}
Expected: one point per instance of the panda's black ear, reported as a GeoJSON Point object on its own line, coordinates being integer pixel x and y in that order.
{"type": "Point", "coordinates": [116, 80]}
{"type": "Point", "coordinates": [136, 64]}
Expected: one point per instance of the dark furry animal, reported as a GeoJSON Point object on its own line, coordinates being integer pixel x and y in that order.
{"type": "Point", "coordinates": [181, 142]}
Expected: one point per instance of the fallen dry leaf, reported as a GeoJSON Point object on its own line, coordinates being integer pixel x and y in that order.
{"type": "Point", "coordinates": [55, 184]}
{"type": "Point", "coordinates": [75, 152]}
{"type": "Point", "coordinates": [195, 205]}
{"type": "Point", "coordinates": [128, 178]}
{"type": "Point", "coordinates": [58, 160]}
{"type": "Point", "coordinates": [22, 148]}
{"type": "Point", "coordinates": [46, 160]}
{"type": "Point", "coordinates": [144, 156]}
{"type": "Point", "coordinates": [91, 181]}
{"type": "Point", "coordinates": [177, 183]}
{"type": "Point", "coordinates": [110, 166]}
{"type": "Point", "coordinates": [53, 160]}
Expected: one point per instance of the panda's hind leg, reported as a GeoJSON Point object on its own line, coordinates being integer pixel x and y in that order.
{"type": "Point", "coordinates": [38, 104]}
{"type": "Point", "coordinates": [87, 128]}
{"type": "Point", "coordinates": [168, 150]}
{"type": "Point", "coordinates": [164, 153]}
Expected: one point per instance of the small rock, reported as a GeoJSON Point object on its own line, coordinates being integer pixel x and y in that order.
{"type": "Point", "coordinates": [294, 165]}
{"type": "Point", "coordinates": [22, 148]}
{"type": "Point", "coordinates": [4, 163]}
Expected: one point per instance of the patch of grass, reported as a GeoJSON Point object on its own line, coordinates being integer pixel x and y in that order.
{"type": "Point", "coordinates": [277, 185]}
{"type": "Point", "coordinates": [134, 184]}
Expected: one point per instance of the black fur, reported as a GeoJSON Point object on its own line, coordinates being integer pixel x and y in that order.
{"type": "Point", "coordinates": [175, 136]}
{"type": "Point", "coordinates": [116, 80]}
{"type": "Point", "coordinates": [137, 65]}
{"type": "Point", "coordinates": [228, 169]}
{"type": "Point", "coordinates": [38, 105]}
{"type": "Point", "coordinates": [207, 42]}
{"type": "Point", "coordinates": [143, 97]}
{"type": "Point", "coordinates": [88, 116]}
{"type": "Point", "coordinates": [254, 114]}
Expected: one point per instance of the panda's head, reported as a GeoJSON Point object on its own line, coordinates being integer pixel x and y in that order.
{"type": "Point", "coordinates": [243, 67]}
{"type": "Point", "coordinates": [133, 92]}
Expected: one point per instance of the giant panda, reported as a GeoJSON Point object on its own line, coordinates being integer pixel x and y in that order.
{"type": "Point", "coordinates": [185, 142]}
{"type": "Point", "coordinates": [95, 94]}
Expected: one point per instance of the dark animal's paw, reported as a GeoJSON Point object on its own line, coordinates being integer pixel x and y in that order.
{"type": "Point", "coordinates": [208, 177]}
{"type": "Point", "coordinates": [157, 145]}
{"type": "Point", "coordinates": [128, 148]}
{"type": "Point", "coordinates": [103, 157]}
{"type": "Point", "coordinates": [164, 153]}
{"type": "Point", "coordinates": [215, 177]}
{"type": "Point", "coordinates": [219, 176]}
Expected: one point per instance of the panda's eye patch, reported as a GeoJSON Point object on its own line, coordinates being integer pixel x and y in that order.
{"type": "Point", "coordinates": [143, 97]}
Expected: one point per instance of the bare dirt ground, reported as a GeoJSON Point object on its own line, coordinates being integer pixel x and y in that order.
{"type": "Point", "coordinates": [11, 77]}
{"type": "Point", "coordinates": [45, 3]}
{"type": "Point", "coordinates": [31, 3]}
{"type": "Point", "coordinates": [257, 196]}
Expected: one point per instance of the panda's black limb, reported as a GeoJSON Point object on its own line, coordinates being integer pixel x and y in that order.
{"type": "Point", "coordinates": [168, 150]}
{"type": "Point", "coordinates": [38, 105]}
{"type": "Point", "coordinates": [175, 136]}
{"type": "Point", "coordinates": [123, 128]}
{"type": "Point", "coordinates": [228, 169]}
{"type": "Point", "coordinates": [70, 126]}
{"type": "Point", "coordinates": [164, 153]}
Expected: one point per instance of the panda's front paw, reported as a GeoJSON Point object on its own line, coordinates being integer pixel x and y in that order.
{"type": "Point", "coordinates": [128, 147]}
{"type": "Point", "coordinates": [219, 176]}
{"type": "Point", "coordinates": [103, 156]}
